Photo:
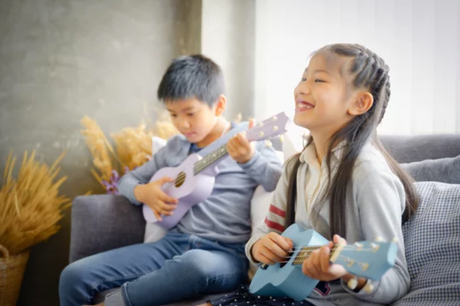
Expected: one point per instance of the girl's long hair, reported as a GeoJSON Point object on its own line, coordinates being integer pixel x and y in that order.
{"type": "Point", "coordinates": [368, 71]}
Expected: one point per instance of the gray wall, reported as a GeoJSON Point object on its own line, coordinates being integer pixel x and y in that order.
{"type": "Point", "coordinates": [228, 37]}
{"type": "Point", "coordinates": [61, 60]}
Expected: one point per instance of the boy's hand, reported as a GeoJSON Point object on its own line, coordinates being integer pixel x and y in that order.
{"type": "Point", "coordinates": [151, 195]}
{"type": "Point", "coordinates": [318, 265]}
{"type": "Point", "coordinates": [272, 248]}
{"type": "Point", "coordinates": [239, 148]}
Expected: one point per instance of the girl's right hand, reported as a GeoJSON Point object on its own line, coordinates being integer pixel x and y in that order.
{"type": "Point", "coordinates": [154, 197]}
{"type": "Point", "coordinates": [272, 248]}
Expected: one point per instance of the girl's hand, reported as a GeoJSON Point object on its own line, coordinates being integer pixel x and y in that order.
{"type": "Point", "coordinates": [239, 148]}
{"type": "Point", "coordinates": [318, 265]}
{"type": "Point", "coordinates": [272, 248]}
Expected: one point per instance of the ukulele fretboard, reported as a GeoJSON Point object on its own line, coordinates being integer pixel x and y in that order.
{"type": "Point", "coordinates": [306, 251]}
{"type": "Point", "coordinates": [209, 159]}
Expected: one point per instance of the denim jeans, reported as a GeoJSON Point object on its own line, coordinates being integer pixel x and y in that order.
{"type": "Point", "coordinates": [177, 267]}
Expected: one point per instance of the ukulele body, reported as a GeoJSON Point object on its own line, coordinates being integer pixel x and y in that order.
{"type": "Point", "coordinates": [283, 280]}
{"type": "Point", "coordinates": [188, 188]}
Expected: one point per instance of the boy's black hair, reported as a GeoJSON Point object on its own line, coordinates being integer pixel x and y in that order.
{"type": "Point", "coordinates": [193, 76]}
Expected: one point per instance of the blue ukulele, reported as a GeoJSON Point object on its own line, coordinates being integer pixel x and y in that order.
{"type": "Point", "coordinates": [363, 259]}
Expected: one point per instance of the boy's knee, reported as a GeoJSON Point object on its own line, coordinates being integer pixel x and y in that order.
{"type": "Point", "coordinates": [191, 264]}
{"type": "Point", "coordinates": [71, 277]}
{"type": "Point", "coordinates": [204, 266]}
{"type": "Point", "coordinates": [74, 286]}
{"type": "Point", "coordinates": [68, 276]}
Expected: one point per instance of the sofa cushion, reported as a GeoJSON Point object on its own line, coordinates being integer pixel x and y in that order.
{"type": "Point", "coordinates": [446, 170]}
{"type": "Point", "coordinates": [411, 148]}
{"type": "Point", "coordinates": [432, 243]}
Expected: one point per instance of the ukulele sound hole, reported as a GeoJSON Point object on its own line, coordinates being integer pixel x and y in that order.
{"type": "Point", "coordinates": [180, 179]}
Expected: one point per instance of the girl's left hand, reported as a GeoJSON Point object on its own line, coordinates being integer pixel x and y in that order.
{"type": "Point", "coordinates": [318, 265]}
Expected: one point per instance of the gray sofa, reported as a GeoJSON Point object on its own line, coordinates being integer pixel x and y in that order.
{"type": "Point", "coordinates": [105, 222]}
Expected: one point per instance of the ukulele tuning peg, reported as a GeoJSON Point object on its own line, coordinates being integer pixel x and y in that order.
{"type": "Point", "coordinates": [378, 239]}
{"type": "Point", "coordinates": [261, 123]}
{"type": "Point", "coordinates": [374, 247]}
{"type": "Point", "coordinates": [261, 134]}
{"type": "Point", "coordinates": [282, 138]}
{"type": "Point", "coordinates": [369, 287]}
{"type": "Point", "coordinates": [350, 263]}
{"type": "Point", "coordinates": [358, 246]}
{"type": "Point", "coordinates": [274, 118]}
{"type": "Point", "coordinates": [268, 143]}
{"type": "Point", "coordinates": [352, 283]}
{"type": "Point", "coordinates": [275, 128]}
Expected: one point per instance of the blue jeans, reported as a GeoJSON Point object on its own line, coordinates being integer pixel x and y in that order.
{"type": "Point", "coordinates": [177, 267]}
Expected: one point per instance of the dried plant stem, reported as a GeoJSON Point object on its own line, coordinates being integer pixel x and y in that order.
{"type": "Point", "coordinates": [30, 206]}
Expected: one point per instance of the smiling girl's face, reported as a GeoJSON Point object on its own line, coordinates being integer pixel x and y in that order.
{"type": "Point", "coordinates": [324, 94]}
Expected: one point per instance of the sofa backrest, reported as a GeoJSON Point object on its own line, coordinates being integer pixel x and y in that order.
{"type": "Point", "coordinates": [406, 149]}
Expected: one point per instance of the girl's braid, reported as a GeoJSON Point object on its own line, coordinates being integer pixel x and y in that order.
{"type": "Point", "coordinates": [372, 72]}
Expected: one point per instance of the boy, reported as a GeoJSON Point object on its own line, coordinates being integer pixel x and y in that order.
{"type": "Point", "coordinates": [204, 253]}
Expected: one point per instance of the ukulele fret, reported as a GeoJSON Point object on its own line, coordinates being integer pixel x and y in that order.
{"type": "Point", "coordinates": [209, 159]}
{"type": "Point", "coordinates": [306, 251]}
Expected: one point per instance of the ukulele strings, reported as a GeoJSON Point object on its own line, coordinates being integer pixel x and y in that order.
{"type": "Point", "coordinates": [199, 166]}
{"type": "Point", "coordinates": [309, 250]}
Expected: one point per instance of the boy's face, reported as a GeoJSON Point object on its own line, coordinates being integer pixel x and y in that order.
{"type": "Point", "coordinates": [194, 119]}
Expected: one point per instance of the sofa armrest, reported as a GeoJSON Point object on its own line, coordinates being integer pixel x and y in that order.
{"type": "Point", "coordinates": [104, 222]}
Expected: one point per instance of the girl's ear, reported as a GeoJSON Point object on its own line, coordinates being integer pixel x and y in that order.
{"type": "Point", "coordinates": [220, 105]}
{"type": "Point", "coordinates": [363, 102]}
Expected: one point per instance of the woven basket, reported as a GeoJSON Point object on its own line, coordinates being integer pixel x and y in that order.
{"type": "Point", "coordinates": [11, 272]}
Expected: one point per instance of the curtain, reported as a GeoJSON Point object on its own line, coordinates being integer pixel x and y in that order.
{"type": "Point", "coordinates": [419, 40]}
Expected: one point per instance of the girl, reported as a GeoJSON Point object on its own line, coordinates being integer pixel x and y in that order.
{"type": "Point", "coordinates": [347, 185]}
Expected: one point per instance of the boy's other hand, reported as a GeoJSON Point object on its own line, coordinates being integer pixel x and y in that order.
{"type": "Point", "coordinates": [151, 195]}
{"type": "Point", "coordinates": [272, 248]}
{"type": "Point", "coordinates": [239, 148]}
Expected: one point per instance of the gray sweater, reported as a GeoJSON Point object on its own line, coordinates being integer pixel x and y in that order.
{"type": "Point", "coordinates": [374, 209]}
{"type": "Point", "coordinates": [225, 215]}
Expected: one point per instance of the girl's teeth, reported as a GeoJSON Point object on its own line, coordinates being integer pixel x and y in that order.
{"type": "Point", "coordinates": [303, 105]}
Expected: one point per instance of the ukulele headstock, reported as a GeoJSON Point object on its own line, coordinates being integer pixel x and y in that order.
{"type": "Point", "coordinates": [367, 259]}
{"type": "Point", "coordinates": [269, 128]}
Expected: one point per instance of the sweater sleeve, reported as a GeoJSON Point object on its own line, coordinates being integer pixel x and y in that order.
{"type": "Point", "coordinates": [142, 175]}
{"type": "Point", "coordinates": [275, 221]}
{"type": "Point", "coordinates": [264, 167]}
{"type": "Point", "coordinates": [380, 199]}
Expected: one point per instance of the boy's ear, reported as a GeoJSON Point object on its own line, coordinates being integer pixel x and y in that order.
{"type": "Point", "coordinates": [361, 104]}
{"type": "Point", "coordinates": [220, 105]}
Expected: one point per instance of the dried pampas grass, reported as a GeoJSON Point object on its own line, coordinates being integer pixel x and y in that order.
{"type": "Point", "coordinates": [134, 146]}
{"type": "Point", "coordinates": [100, 149]}
{"type": "Point", "coordinates": [30, 206]}
{"type": "Point", "coordinates": [133, 149]}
